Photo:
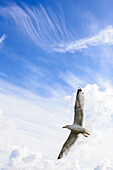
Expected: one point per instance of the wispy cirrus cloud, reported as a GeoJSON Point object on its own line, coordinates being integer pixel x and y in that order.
{"type": "Point", "coordinates": [2, 38]}
{"type": "Point", "coordinates": [104, 37]}
{"type": "Point", "coordinates": [47, 29]}
{"type": "Point", "coordinates": [72, 80]}
{"type": "Point", "coordinates": [43, 26]}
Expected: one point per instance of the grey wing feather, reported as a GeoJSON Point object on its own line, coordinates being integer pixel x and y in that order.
{"type": "Point", "coordinates": [79, 108]}
{"type": "Point", "coordinates": [68, 144]}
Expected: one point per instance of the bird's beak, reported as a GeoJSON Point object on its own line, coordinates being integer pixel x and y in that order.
{"type": "Point", "coordinates": [63, 127]}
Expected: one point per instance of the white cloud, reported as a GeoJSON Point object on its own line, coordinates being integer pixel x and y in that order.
{"type": "Point", "coordinates": [104, 37]}
{"type": "Point", "coordinates": [72, 80]}
{"type": "Point", "coordinates": [104, 165]}
{"type": "Point", "coordinates": [37, 126]}
{"type": "Point", "coordinates": [2, 38]}
{"type": "Point", "coordinates": [48, 30]}
{"type": "Point", "coordinates": [23, 158]}
{"type": "Point", "coordinates": [42, 25]}
{"type": "Point", "coordinates": [6, 123]}
{"type": "Point", "coordinates": [3, 75]}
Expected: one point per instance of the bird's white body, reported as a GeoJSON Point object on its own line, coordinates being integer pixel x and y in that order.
{"type": "Point", "coordinates": [75, 128]}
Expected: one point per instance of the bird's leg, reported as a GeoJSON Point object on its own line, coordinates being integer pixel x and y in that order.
{"type": "Point", "coordinates": [86, 134]}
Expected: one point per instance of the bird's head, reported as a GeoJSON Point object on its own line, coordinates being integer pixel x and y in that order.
{"type": "Point", "coordinates": [67, 126]}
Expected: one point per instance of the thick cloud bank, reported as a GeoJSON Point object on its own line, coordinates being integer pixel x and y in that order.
{"type": "Point", "coordinates": [22, 158]}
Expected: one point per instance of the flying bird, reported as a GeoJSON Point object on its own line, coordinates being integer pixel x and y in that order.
{"type": "Point", "coordinates": [77, 126]}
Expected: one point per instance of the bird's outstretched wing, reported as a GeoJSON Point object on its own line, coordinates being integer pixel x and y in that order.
{"type": "Point", "coordinates": [79, 108]}
{"type": "Point", "coordinates": [68, 144]}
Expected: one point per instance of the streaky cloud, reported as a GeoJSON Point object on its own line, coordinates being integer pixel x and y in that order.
{"type": "Point", "coordinates": [47, 29]}
{"type": "Point", "coordinates": [104, 37]}
{"type": "Point", "coordinates": [2, 38]}
{"type": "Point", "coordinates": [72, 80]}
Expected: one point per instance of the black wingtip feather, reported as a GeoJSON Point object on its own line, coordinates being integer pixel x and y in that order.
{"type": "Point", "coordinates": [59, 157]}
{"type": "Point", "coordinates": [79, 90]}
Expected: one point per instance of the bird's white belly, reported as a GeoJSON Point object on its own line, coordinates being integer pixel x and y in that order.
{"type": "Point", "coordinates": [77, 129]}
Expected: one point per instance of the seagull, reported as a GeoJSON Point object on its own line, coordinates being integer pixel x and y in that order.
{"type": "Point", "coordinates": [77, 126]}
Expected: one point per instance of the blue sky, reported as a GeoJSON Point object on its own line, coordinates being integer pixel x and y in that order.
{"type": "Point", "coordinates": [47, 50]}
{"type": "Point", "coordinates": [42, 34]}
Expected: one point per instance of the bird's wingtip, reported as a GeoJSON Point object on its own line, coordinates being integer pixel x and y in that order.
{"type": "Point", "coordinates": [79, 90]}
{"type": "Point", "coordinates": [59, 157]}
